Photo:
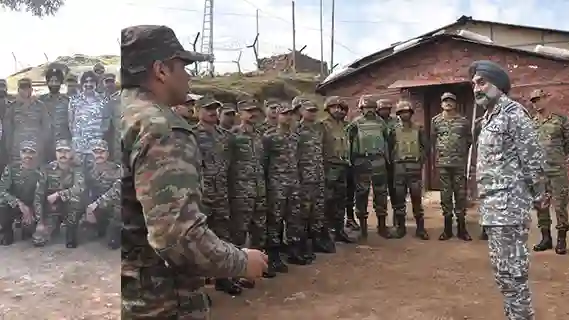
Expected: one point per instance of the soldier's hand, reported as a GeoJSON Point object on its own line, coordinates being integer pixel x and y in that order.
{"type": "Point", "coordinates": [256, 263]}
{"type": "Point", "coordinates": [52, 198]}
{"type": "Point", "coordinates": [27, 216]}
{"type": "Point", "coordinates": [543, 203]}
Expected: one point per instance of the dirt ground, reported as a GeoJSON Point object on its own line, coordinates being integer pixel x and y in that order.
{"type": "Point", "coordinates": [382, 279]}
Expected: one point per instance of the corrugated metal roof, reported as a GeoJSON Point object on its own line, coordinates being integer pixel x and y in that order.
{"type": "Point", "coordinates": [402, 84]}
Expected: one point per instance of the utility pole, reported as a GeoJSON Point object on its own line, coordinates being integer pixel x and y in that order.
{"type": "Point", "coordinates": [332, 37]}
{"type": "Point", "coordinates": [207, 35]}
{"type": "Point", "coordinates": [293, 40]}
{"type": "Point", "coordinates": [257, 25]}
{"type": "Point", "coordinates": [322, 72]}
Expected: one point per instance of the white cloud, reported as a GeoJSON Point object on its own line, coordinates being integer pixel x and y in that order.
{"type": "Point", "coordinates": [94, 27]}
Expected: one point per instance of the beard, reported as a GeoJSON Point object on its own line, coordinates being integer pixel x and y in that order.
{"type": "Point", "coordinates": [488, 98]}
{"type": "Point", "coordinates": [54, 89]}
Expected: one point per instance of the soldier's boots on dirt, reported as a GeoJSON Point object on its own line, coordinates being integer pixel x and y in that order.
{"type": "Point", "coordinates": [399, 228]}
{"type": "Point", "coordinates": [323, 243]}
{"type": "Point", "coordinates": [6, 236]}
{"type": "Point", "coordinates": [246, 283]}
{"type": "Point", "coordinates": [447, 231]}
{"type": "Point", "coordinates": [276, 264]}
{"type": "Point", "coordinates": [71, 236]}
{"type": "Point", "coordinates": [296, 254]}
{"type": "Point", "coordinates": [352, 224]}
{"type": "Point", "coordinates": [462, 232]}
{"type": "Point", "coordinates": [421, 232]}
{"type": "Point", "coordinates": [483, 235]}
{"type": "Point", "coordinates": [546, 242]}
{"type": "Point", "coordinates": [382, 228]}
{"type": "Point", "coordinates": [228, 286]}
{"type": "Point", "coordinates": [561, 247]}
{"type": "Point", "coordinates": [307, 252]}
{"type": "Point", "coordinates": [340, 234]}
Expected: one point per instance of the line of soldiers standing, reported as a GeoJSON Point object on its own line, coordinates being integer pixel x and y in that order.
{"type": "Point", "coordinates": [57, 153]}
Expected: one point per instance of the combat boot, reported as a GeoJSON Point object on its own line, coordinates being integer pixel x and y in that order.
{"type": "Point", "coordinates": [483, 235]}
{"type": "Point", "coordinates": [306, 249]}
{"type": "Point", "coordinates": [421, 232]}
{"type": "Point", "coordinates": [6, 236]}
{"type": "Point", "coordinates": [71, 236]}
{"type": "Point", "coordinates": [447, 231]}
{"type": "Point", "coordinates": [27, 232]}
{"type": "Point", "coordinates": [382, 229]}
{"type": "Point", "coordinates": [276, 264]}
{"type": "Point", "coordinates": [295, 254]}
{"type": "Point", "coordinates": [245, 283]}
{"type": "Point", "coordinates": [561, 247]}
{"type": "Point", "coordinates": [341, 235]}
{"type": "Point", "coordinates": [462, 232]}
{"type": "Point", "coordinates": [228, 286]}
{"type": "Point", "coordinates": [323, 242]}
{"type": "Point", "coordinates": [399, 228]}
{"type": "Point", "coordinates": [546, 242]}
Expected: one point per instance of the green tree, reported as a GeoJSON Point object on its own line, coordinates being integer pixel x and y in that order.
{"type": "Point", "coordinates": [38, 8]}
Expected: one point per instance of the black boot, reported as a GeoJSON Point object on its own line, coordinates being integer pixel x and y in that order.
{"type": "Point", "coordinates": [461, 232]}
{"type": "Point", "coordinates": [323, 243]}
{"type": "Point", "coordinates": [295, 254]}
{"type": "Point", "coordinates": [306, 249]}
{"type": "Point", "coordinates": [276, 264]}
{"type": "Point", "coordinates": [352, 224]}
{"type": "Point", "coordinates": [382, 228]}
{"type": "Point", "coordinates": [546, 242]}
{"type": "Point", "coordinates": [71, 236]}
{"type": "Point", "coordinates": [399, 229]}
{"type": "Point", "coordinates": [447, 231]}
{"type": "Point", "coordinates": [561, 247]}
{"type": "Point", "coordinates": [484, 235]}
{"type": "Point", "coordinates": [341, 235]}
{"type": "Point", "coordinates": [245, 283]}
{"type": "Point", "coordinates": [6, 235]}
{"type": "Point", "coordinates": [421, 232]}
{"type": "Point", "coordinates": [228, 286]}
{"type": "Point", "coordinates": [271, 272]}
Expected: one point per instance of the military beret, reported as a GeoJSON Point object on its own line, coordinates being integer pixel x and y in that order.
{"type": "Point", "coordinates": [448, 95]}
{"type": "Point", "coordinates": [100, 145]}
{"type": "Point", "coordinates": [492, 72]}
{"type": "Point", "coordinates": [28, 145]}
{"type": "Point", "coordinates": [63, 145]}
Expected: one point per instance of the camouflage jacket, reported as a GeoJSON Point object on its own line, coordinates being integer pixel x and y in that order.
{"type": "Point", "coordinates": [21, 184]}
{"type": "Point", "coordinates": [266, 126]}
{"type": "Point", "coordinates": [451, 139]}
{"type": "Point", "coordinates": [247, 176]}
{"type": "Point", "coordinates": [214, 146]}
{"type": "Point", "coordinates": [104, 184]}
{"type": "Point", "coordinates": [311, 152]}
{"type": "Point", "coordinates": [112, 133]}
{"type": "Point", "coordinates": [553, 134]}
{"type": "Point", "coordinates": [281, 155]}
{"type": "Point", "coordinates": [88, 121]}
{"type": "Point", "coordinates": [68, 182]}
{"type": "Point", "coordinates": [57, 105]}
{"type": "Point", "coordinates": [510, 167]}
{"type": "Point", "coordinates": [27, 121]}
{"type": "Point", "coordinates": [164, 229]}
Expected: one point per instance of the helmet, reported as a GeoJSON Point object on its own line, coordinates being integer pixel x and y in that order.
{"type": "Point", "coordinates": [537, 93]}
{"type": "Point", "coordinates": [367, 100]}
{"type": "Point", "coordinates": [335, 101]}
{"type": "Point", "coordinates": [384, 104]}
{"type": "Point", "coordinates": [99, 68]}
{"type": "Point", "coordinates": [402, 106]}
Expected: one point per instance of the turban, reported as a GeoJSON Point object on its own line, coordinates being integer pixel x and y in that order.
{"type": "Point", "coordinates": [492, 72]}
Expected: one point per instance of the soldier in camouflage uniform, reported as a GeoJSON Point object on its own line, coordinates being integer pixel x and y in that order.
{"type": "Point", "coordinates": [311, 168]}
{"type": "Point", "coordinates": [384, 108]}
{"type": "Point", "coordinates": [27, 120]}
{"type": "Point", "coordinates": [56, 104]}
{"type": "Point", "coordinates": [109, 85]}
{"type": "Point", "coordinates": [296, 106]}
{"type": "Point", "coordinates": [187, 110]}
{"type": "Point", "coordinates": [283, 190]}
{"type": "Point", "coordinates": [72, 84]}
{"type": "Point", "coordinates": [215, 146]}
{"type": "Point", "coordinates": [5, 101]}
{"type": "Point", "coordinates": [247, 186]}
{"type": "Point", "coordinates": [62, 183]}
{"type": "Point", "coordinates": [226, 115]}
{"type": "Point", "coordinates": [511, 177]}
{"type": "Point", "coordinates": [271, 116]}
{"type": "Point", "coordinates": [451, 139]}
{"type": "Point", "coordinates": [409, 153]}
{"type": "Point", "coordinates": [553, 135]}
{"type": "Point", "coordinates": [103, 186]}
{"type": "Point", "coordinates": [369, 141]}
{"type": "Point", "coordinates": [99, 70]}
{"type": "Point", "coordinates": [19, 194]}
{"type": "Point", "coordinates": [167, 247]}
{"type": "Point", "coordinates": [336, 165]}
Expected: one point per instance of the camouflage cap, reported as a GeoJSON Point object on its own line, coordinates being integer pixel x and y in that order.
{"type": "Point", "coordinates": [192, 98]}
{"type": "Point", "coordinates": [335, 101]}
{"type": "Point", "coordinates": [297, 101]}
{"type": "Point", "coordinates": [537, 93]}
{"type": "Point", "coordinates": [144, 44]}
{"type": "Point", "coordinates": [448, 95]}
{"type": "Point", "coordinates": [24, 82]}
{"type": "Point", "coordinates": [248, 105]}
{"type": "Point", "coordinates": [63, 145]}
{"type": "Point", "coordinates": [100, 145]}
{"type": "Point", "coordinates": [309, 105]}
{"type": "Point", "coordinates": [28, 146]}
{"type": "Point", "coordinates": [227, 108]}
{"type": "Point", "coordinates": [384, 104]}
{"type": "Point", "coordinates": [403, 105]}
{"type": "Point", "coordinates": [367, 101]}
{"type": "Point", "coordinates": [285, 108]}
{"type": "Point", "coordinates": [109, 76]}
{"type": "Point", "coordinates": [207, 102]}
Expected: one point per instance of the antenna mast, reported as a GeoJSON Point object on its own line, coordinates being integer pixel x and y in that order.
{"type": "Point", "coordinates": [207, 37]}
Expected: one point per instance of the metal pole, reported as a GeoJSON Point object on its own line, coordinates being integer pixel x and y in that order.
{"type": "Point", "coordinates": [332, 37]}
{"type": "Point", "coordinates": [293, 40]}
{"type": "Point", "coordinates": [257, 23]}
{"type": "Point", "coordinates": [322, 71]}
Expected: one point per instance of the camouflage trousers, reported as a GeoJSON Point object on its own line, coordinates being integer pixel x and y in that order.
{"type": "Point", "coordinates": [453, 185]}
{"type": "Point", "coordinates": [216, 205]}
{"type": "Point", "coordinates": [350, 193]}
{"type": "Point", "coordinates": [368, 178]}
{"type": "Point", "coordinates": [155, 293]}
{"type": "Point", "coordinates": [408, 180]}
{"type": "Point", "coordinates": [284, 207]}
{"type": "Point", "coordinates": [70, 213]}
{"type": "Point", "coordinates": [8, 216]}
{"type": "Point", "coordinates": [336, 193]}
{"type": "Point", "coordinates": [560, 199]}
{"type": "Point", "coordinates": [312, 206]}
{"type": "Point", "coordinates": [249, 216]}
{"type": "Point", "coordinates": [509, 256]}
{"type": "Point", "coordinates": [109, 222]}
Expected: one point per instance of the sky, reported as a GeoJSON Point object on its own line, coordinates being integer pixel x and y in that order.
{"type": "Point", "coordinates": [361, 26]}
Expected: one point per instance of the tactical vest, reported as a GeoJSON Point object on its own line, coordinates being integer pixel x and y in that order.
{"type": "Point", "coordinates": [340, 147]}
{"type": "Point", "coordinates": [407, 146]}
{"type": "Point", "coordinates": [371, 140]}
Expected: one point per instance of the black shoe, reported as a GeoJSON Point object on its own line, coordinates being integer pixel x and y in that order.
{"type": "Point", "coordinates": [71, 237]}
{"type": "Point", "coordinates": [296, 254]}
{"type": "Point", "coordinates": [421, 232]}
{"type": "Point", "coordinates": [340, 235]}
{"type": "Point", "coordinates": [323, 243]}
{"type": "Point", "coordinates": [246, 283]}
{"type": "Point", "coordinates": [461, 232]}
{"type": "Point", "coordinates": [352, 224]}
{"type": "Point", "coordinates": [447, 231]}
{"type": "Point", "coordinates": [546, 242]}
{"type": "Point", "coordinates": [276, 264]}
{"type": "Point", "coordinates": [382, 228]}
{"type": "Point", "coordinates": [228, 286]}
{"type": "Point", "coordinates": [399, 229]}
{"type": "Point", "coordinates": [561, 247]}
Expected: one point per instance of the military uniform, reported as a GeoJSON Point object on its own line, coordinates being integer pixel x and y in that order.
{"type": "Point", "coordinates": [166, 245]}
{"type": "Point", "coordinates": [410, 148]}
{"type": "Point", "coordinates": [452, 138]}
{"type": "Point", "coordinates": [5, 102]}
{"type": "Point", "coordinates": [27, 120]}
{"type": "Point", "coordinates": [281, 167]}
{"type": "Point", "coordinates": [226, 110]}
{"type": "Point", "coordinates": [312, 182]}
{"type": "Point", "coordinates": [336, 166]}
{"type": "Point", "coordinates": [18, 185]}
{"type": "Point", "coordinates": [269, 124]}
{"type": "Point", "coordinates": [68, 181]}
{"type": "Point", "coordinates": [553, 134]}
{"type": "Point", "coordinates": [369, 140]}
{"type": "Point", "coordinates": [57, 104]}
{"type": "Point", "coordinates": [103, 183]}
{"type": "Point", "coordinates": [391, 122]}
